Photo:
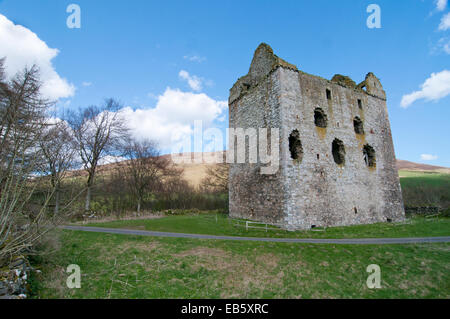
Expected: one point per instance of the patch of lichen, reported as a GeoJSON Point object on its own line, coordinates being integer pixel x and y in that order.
{"type": "Point", "coordinates": [361, 140]}
{"type": "Point", "coordinates": [344, 80]}
{"type": "Point", "coordinates": [281, 62]}
{"type": "Point", "coordinates": [277, 61]}
{"type": "Point", "coordinates": [247, 82]}
{"type": "Point", "coordinates": [321, 132]}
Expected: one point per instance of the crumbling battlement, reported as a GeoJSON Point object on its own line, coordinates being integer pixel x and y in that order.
{"type": "Point", "coordinates": [265, 62]}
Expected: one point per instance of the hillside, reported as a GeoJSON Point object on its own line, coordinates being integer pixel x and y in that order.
{"type": "Point", "coordinates": [195, 172]}
{"type": "Point", "coordinates": [411, 166]}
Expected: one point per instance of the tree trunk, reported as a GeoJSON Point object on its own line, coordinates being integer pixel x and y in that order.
{"type": "Point", "coordinates": [56, 201]}
{"type": "Point", "coordinates": [87, 206]}
{"type": "Point", "coordinates": [139, 207]}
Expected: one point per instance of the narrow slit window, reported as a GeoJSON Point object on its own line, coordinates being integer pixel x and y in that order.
{"type": "Point", "coordinates": [358, 125]}
{"type": "Point", "coordinates": [360, 104]}
{"type": "Point", "coordinates": [338, 151]}
{"type": "Point", "coordinates": [320, 118]}
{"type": "Point", "coordinates": [328, 94]}
{"type": "Point", "coordinates": [369, 156]}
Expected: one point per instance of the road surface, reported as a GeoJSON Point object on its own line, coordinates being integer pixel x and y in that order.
{"type": "Point", "coordinates": [352, 241]}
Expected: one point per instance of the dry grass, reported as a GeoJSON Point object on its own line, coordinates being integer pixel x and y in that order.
{"type": "Point", "coordinates": [129, 216]}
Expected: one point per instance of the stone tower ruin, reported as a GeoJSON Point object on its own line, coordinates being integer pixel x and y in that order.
{"type": "Point", "coordinates": [337, 163]}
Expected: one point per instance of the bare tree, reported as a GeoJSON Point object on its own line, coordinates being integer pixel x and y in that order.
{"type": "Point", "coordinates": [145, 170]}
{"type": "Point", "coordinates": [98, 131]}
{"type": "Point", "coordinates": [216, 179]}
{"type": "Point", "coordinates": [22, 123]}
{"type": "Point", "coordinates": [58, 151]}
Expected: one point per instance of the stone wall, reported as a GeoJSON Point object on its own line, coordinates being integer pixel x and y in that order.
{"type": "Point", "coordinates": [314, 190]}
{"type": "Point", "coordinates": [14, 279]}
{"type": "Point", "coordinates": [422, 210]}
{"type": "Point", "coordinates": [253, 195]}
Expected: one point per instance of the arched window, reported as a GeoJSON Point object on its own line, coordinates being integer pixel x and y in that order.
{"type": "Point", "coordinates": [369, 156]}
{"type": "Point", "coordinates": [338, 151]}
{"type": "Point", "coordinates": [295, 146]}
{"type": "Point", "coordinates": [358, 125]}
{"type": "Point", "coordinates": [320, 118]}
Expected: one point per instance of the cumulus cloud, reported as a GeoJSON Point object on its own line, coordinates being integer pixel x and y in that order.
{"type": "Point", "coordinates": [441, 4]}
{"type": "Point", "coordinates": [428, 157]}
{"type": "Point", "coordinates": [195, 83]}
{"type": "Point", "coordinates": [436, 87]}
{"type": "Point", "coordinates": [445, 22]}
{"type": "Point", "coordinates": [175, 112]}
{"type": "Point", "coordinates": [22, 48]}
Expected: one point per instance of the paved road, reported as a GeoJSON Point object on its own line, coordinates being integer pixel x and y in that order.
{"type": "Point", "coordinates": [357, 241]}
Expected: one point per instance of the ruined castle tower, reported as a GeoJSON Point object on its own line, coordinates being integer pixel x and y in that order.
{"type": "Point", "coordinates": [337, 162]}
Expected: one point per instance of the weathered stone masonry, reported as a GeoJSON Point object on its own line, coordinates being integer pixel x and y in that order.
{"type": "Point", "coordinates": [337, 160]}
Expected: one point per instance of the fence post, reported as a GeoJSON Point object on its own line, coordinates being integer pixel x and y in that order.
{"type": "Point", "coordinates": [266, 228]}
{"type": "Point", "coordinates": [246, 225]}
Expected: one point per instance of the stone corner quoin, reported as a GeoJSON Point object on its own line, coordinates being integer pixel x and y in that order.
{"type": "Point", "coordinates": [337, 159]}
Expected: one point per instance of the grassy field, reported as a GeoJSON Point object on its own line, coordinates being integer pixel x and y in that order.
{"type": "Point", "coordinates": [413, 178]}
{"type": "Point", "coordinates": [426, 189]}
{"type": "Point", "coordinates": [220, 224]}
{"type": "Point", "coordinates": [421, 174]}
{"type": "Point", "coordinates": [119, 266]}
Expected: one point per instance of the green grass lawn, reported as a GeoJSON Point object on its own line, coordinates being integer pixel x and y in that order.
{"type": "Point", "coordinates": [426, 189]}
{"type": "Point", "coordinates": [429, 178]}
{"type": "Point", "coordinates": [120, 266]}
{"type": "Point", "coordinates": [220, 224]}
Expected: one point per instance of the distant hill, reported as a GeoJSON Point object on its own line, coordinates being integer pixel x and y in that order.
{"type": "Point", "coordinates": [411, 166]}
{"type": "Point", "coordinates": [195, 172]}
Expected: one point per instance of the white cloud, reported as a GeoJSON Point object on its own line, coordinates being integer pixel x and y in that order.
{"type": "Point", "coordinates": [428, 157]}
{"type": "Point", "coordinates": [22, 48]}
{"type": "Point", "coordinates": [442, 45]}
{"type": "Point", "coordinates": [173, 116]}
{"type": "Point", "coordinates": [441, 4]}
{"type": "Point", "coordinates": [194, 82]}
{"type": "Point", "coordinates": [436, 87]}
{"type": "Point", "coordinates": [445, 22]}
{"type": "Point", "coordinates": [446, 48]}
{"type": "Point", "coordinates": [194, 58]}
{"type": "Point", "coordinates": [109, 159]}
{"type": "Point", "coordinates": [86, 83]}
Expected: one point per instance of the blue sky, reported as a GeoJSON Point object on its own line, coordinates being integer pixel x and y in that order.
{"type": "Point", "coordinates": [144, 53]}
